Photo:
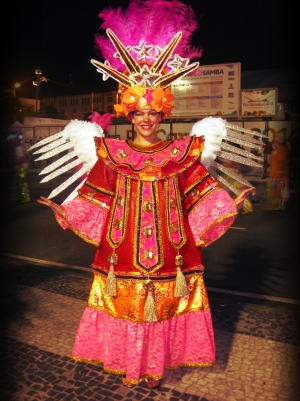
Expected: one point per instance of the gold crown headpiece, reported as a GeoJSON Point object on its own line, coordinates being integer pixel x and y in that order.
{"type": "Point", "coordinates": [140, 78]}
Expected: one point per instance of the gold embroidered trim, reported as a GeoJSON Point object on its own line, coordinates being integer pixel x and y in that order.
{"type": "Point", "coordinates": [168, 305]}
{"type": "Point", "coordinates": [167, 276]}
{"type": "Point", "coordinates": [192, 365]}
{"type": "Point", "coordinates": [142, 178]}
{"type": "Point", "coordinates": [116, 315]}
{"type": "Point", "coordinates": [116, 372]}
{"type": "Point", "coordinates": [206, 192]}
{"type": "Point", "coordinates": [89, 199]}
{"type": "Point", "coordinates": [148, 149]}
{"type": "Point", "coordinates": [157, 228]}
{"type": "Point", "coordinates": [103, 190]}
{"type": "Point", "coordinates": [179, 212]}
{"type": "Point", "coordinates": [134, 145]}
{"type": "Point", "coordinates": [202, 242]}
{"type": "Point", "coordinates": [195, 184]}
{"type": "Point", "coordinates": [115, 166]}
{"type": "Point", "coordinates": [122, 372]}
{"type": "Point", "coordinates": [72, 228]}
{"type": "Point", "coordinates": [121, 181]}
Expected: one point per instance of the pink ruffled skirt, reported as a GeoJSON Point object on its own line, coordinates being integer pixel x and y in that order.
{"type": "Point", "coordinates": [145, 349]}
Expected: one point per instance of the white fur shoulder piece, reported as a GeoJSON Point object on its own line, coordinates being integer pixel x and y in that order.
{"type": "Point", "coordinates": [214, 131]}
{"type": "Point", "coordinates": [77, 141]}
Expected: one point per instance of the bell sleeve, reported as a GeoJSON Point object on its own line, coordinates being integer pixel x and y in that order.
{"type": "Point", "coordinates": [210, 209]}
{"type": "Point", "coordinates": [86, 215]}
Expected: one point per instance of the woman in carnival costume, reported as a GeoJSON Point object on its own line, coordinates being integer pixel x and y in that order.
{"type": "Point", "coordinates": [147, 205]}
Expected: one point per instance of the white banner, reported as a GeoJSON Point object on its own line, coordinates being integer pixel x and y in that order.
{"type": "Point", "coordinates": [259, 103]}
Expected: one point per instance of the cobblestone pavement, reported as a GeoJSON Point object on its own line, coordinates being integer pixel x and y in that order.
{"type": "Point", "coordinates": [257, 345]}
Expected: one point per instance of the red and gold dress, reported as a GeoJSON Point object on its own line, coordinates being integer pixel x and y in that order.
{"type": "Point", "coordinates": [148, 211]}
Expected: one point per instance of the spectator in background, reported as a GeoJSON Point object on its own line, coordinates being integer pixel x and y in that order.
{"type": "Point", "coordinates": [278, 175]}
{"type": "Point", "coordinates": [20, 188]}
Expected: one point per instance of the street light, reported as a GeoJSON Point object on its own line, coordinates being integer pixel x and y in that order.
{"type": "Point", "coordinates": [36, 83]}
{"type": "Point", "coordinates": [16, 86]}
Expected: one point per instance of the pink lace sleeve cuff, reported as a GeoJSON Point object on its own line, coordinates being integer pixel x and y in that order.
{"type": "Point", "coordinates": [84, 219]}
{"type": "Point", "coordinates": [212, 217]}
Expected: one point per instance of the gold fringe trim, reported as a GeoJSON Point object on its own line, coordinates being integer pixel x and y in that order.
{"type": "Point", "coordinates": [150, 307]}
{"type": "Point", "coordinates": [123, 372]}
{"type": "Point", "coordinates": [191, 365]}
{"type": "Point", "coordinates": [181, 289]}
{"type": "Point", "coordinates": [111, 283]}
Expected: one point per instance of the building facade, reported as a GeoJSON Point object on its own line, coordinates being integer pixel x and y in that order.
{"type": "Point", "coordinates": [78, 106]}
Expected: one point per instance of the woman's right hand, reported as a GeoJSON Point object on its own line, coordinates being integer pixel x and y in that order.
{"type": "Point", "coordinates": [54, 206]}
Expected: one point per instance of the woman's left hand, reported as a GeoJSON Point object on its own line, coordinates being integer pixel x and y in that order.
{"type": "Point", "coordinates": [54, 206]}
{"type": "Point", "coordinates": [241, 197]}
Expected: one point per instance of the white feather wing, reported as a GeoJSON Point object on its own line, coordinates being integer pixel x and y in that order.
{"type": "Point", "coordinates": [221, 139]}
{"type": "Point", "coordinates": [78, 139]}
{"type": "Point", "coordinates": [214, 131]}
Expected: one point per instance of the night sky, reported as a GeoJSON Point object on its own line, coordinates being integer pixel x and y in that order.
{"type": "Point", "coordinates": [58, 37]}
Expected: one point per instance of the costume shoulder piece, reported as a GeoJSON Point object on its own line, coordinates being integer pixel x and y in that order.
{"type": "Point", "coordinates": [155, 162]}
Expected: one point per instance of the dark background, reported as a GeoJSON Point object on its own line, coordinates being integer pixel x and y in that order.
{"type": "Point", "coordinates": [58, 37]}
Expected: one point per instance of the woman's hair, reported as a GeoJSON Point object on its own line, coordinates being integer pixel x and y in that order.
{"type": "Point", "coordinates": [130, 115]}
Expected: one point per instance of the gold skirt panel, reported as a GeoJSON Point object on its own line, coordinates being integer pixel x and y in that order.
{"type": "Point", "coordinates": [132, 294]}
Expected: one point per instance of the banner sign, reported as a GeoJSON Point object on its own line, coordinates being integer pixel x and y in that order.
{"type": "Point", "coordinates": [215, 90]}
{"type": "Point", "coordinates": [259, 102]}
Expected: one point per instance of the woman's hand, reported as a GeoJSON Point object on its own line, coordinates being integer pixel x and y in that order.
{"type": "Point", "coordinates": [54, 206]}
{"type": "Point", "coordinates": [241, 197]}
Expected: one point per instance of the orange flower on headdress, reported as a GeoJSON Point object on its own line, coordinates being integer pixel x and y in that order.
{"type": "Point", "coordinates": [133, 97]}
{"type": "Point", "coordinates": [120, 109]}
{"type": "Point", "coordinates": [162, 100]}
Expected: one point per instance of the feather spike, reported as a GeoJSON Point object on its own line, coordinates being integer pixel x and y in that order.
{"type": "Point", "coordinates": [58, 163]}
{"type": "Point", "coordinates": [45, 141]}
{"type": "Point", "coordinates": [61, 170]}
{"type": "Point", "coordinates": [65, 184]}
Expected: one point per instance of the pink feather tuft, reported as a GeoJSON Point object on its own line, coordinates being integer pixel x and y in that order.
{"type": "Point", "coordinates": [103, 120]}
{"type": "Point", "coordinates": [154, 21]}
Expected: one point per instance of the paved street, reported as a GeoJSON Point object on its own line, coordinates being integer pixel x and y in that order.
{"type": "Point", "coordinates": [252, 287]}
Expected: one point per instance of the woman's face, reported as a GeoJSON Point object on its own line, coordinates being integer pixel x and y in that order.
{"type": "Point", "coordinates": [146, 123]}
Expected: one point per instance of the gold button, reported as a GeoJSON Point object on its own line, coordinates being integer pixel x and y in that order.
{"type": "Point", "coordinates": [117, 224]}
{"type": "Point", "coordinates": [175, 151]}
{"type": "Point", "coordinates": [195, 193]}
{"type": "Point", "coordinates": [149, 255]}
{"type": "Point", "coordinates": [120, 201]}
{"type": "Point", "coordinates": [148, 231]}
{"type": "Point", "coordinates": [174, 228]}
{"type": "Point", "coordinates": [172, 203]}
{"type": "Point", "coordinates": [148, 207]}
{"type": "Point", "coordinates": [149, 160]}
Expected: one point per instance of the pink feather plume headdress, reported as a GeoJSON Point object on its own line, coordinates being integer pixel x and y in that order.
{"type": "Point", "coordinates": [139, 51]}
